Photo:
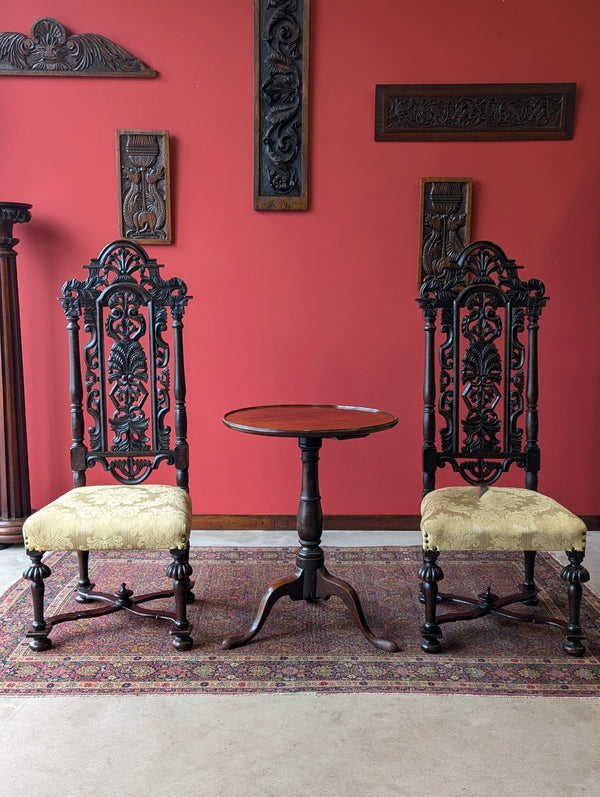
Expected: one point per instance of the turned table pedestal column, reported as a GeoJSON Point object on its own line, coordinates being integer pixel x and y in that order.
{"type": "Point", "coordinates": [311, 581]}
{"type": "Point", "coordinates": [15, 503]}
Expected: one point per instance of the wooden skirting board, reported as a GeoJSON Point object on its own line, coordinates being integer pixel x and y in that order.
{"type": "Point", "coordinates": [330, 522]}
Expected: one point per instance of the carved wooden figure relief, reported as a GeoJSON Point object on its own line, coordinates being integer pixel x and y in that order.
{"type": "Point", "coordinates": [50, 51]}
{"type": "Point", "coordinates": [477, 111]}
{"type": "Point", "coordinates": [281, 37]}
{"type": "Point", "coordinates": [144, 186]}
{"type": "Point", "coordinates": [445, 223]}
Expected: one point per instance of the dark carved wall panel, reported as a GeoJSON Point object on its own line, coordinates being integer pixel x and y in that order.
{"type": "Point", "coordinates": [281, 47]}
{"type": "Point", "coordinates": [474, 111]}
{"type": "Point", "coordinates": [445, 223]}
{"type": "Point", "coordinates": [49, 51]}
{"type": "Point", "coordinates": [144, 186]}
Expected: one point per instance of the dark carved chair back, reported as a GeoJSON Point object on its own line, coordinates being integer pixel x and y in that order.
{"type": "Point", "coordinates": [485, 366]}
{"type": "Point", "coordinates": [129, 367]}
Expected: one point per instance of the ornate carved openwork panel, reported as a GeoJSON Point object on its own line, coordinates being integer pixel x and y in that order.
{"type": "Point", "coordinates": [143, 176]}
{"type": "Point", "coordinates": [127, 368]}
{"type": "Point", "coordinates": [50, 51]}
{"type": "Point", "coordinates": [281, 48]}
{"type": "Point", "coordinates": [486, 399]}
{"type": "Point", "coordinates": [445, 223]}
{"type": "Point", "coordinates": [474, 111]}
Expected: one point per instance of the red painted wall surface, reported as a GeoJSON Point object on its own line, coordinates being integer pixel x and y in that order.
{"type": "Point", "coordinates": [313, 306]}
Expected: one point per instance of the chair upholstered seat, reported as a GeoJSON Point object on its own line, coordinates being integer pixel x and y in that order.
{"type": "Point", "coordinates": [109, 517]}
{"type": "Point", "coordinates": [498, 519]}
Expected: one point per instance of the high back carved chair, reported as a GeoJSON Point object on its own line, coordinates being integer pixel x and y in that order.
{"type": "Point", "coordinates": [484, 361]}
{"type": "Point", "coordinates": [128, 417]}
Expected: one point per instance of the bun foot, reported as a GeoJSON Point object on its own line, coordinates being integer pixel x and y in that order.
{"type": "Point", "coordinates": [573, 647]}
{"type": "Point", "coordinates": [431, 644]}
{"type": "Point", "coordinates": [182, 642]}
{"type": "Point", "coordinates": [40, 643]}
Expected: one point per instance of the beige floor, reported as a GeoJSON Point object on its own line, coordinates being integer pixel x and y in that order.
{"type": "Point", "coordinates": [298, 745]}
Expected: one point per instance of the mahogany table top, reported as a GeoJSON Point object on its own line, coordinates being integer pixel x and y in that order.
{"type": "Point", "coordinates": [309, 420]}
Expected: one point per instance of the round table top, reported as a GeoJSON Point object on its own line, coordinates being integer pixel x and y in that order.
{"type": "Point", "coordinates": [310, 420]}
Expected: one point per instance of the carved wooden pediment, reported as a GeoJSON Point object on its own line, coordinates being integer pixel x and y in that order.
{"type": "Point", "coordinates": [50, 51]}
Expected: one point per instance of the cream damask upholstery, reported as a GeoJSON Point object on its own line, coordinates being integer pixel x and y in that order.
{"type": "Point", "coordinates": [498, 519]}
{"type": "Point", "coordinates": [110, 517]}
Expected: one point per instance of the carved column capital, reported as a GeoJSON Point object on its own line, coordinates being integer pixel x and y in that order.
{"type": "Point", "coordinates": [12, 213]}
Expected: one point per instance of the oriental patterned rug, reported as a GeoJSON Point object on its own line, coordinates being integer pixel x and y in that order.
{"type": "Point", "coordinates": [302, 647]}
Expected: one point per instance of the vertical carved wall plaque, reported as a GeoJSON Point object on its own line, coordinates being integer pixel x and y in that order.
{"type": "Point", "coordinates": [281, 47]}
{"type": "Point", "coordinates": [445, 224]}
{"type": "Point", "coordinates": [144, 186]}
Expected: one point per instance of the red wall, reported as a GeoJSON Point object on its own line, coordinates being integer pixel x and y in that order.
{"type": "Point", "coordinates": [313, 306]}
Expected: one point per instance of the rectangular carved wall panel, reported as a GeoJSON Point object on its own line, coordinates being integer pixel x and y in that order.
{"type": "Point", "coordinates": [143, 180]}
{"type": "Point", "coordinates": [474, 111]}
{"type": "Point", "coordinates": [281, 48]}
{"type": "Point", "coordinates": [445, 221]}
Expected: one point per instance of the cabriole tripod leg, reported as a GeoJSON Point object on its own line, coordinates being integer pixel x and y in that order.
{"type": "Point", "coordinates": [291, 585]}
{"type": "Point", "coordinates": [329, 585]}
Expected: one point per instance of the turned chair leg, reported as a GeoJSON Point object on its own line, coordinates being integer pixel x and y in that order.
{"type": "Point", "coordinates": [529, 585]}
{"type": "Point", "coordinates": [84, 584]}
{"type": "Point", "coordinates": [575, 575]}
{"type": "Point", "coordinates": [36, 573]}
{"type": "Point", "coordinates": [190, 595]}
{"type": "Point", "coordinates": [430, 573]}
{"type": "Point", "coordinates": [180, 571]}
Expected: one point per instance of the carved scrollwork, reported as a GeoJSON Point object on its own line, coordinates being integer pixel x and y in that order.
{"type": "Point", "coordinates": [481, 373]}
{"type": "Point", "coordinates": [129, 470]}
{"type": "Point", "coordinates": [125, 299]}
{"type": "Point", "coordinates": [127, 375]}
{"type": "Point", "coordinates": [12, 213]}
{"type": "Point", "coordinates": [50, 51]}
{"type": "Point", "coordinates": [144, 185]}
{"type": "Point", "coordinates": [445, 227]}
{"type": "Point", "coordinates": [474, 111]}
{"type": "Point", "coordinates": [484, 307]}
{"type": "Point", "coordinates": [467, 113]}
{"type": "Point", "coordinates": [15, 212]}
{"type": "Point", "coordinates": [281, 104]}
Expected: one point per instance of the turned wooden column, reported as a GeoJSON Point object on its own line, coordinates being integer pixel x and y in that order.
{"type": "Point", "coordinates": [15, 502]}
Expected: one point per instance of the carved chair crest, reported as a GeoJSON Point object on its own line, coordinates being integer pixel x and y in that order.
{"type": "Point", "coordinates": [128, 376]}
{"type": "Point", "coordinates": [486, 367]}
